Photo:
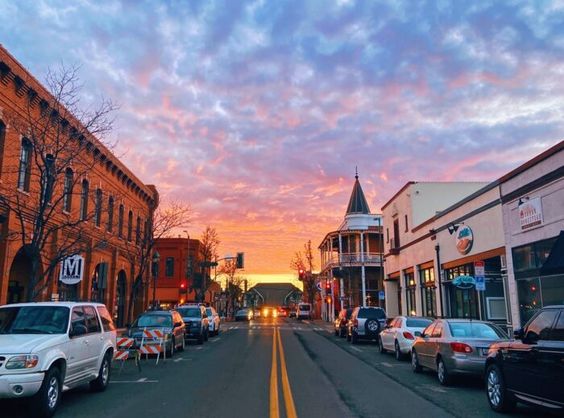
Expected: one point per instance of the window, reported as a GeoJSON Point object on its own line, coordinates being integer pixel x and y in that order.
{"type": "Point", "coordinates": [138, 231]}
{"type": "Point", "coordinates": [129, 225]}
{"type": "Point", "coordinates": [540, 326]}
{"type": "Point", "coordinates": [98, 212]}
{"type": "Point", "coordinates": [77, 321]}
{"type": "Point", "coordinates": [438, 330]}
{"type": "Point", "coordinates": [406, 225]}
{"type": "Point", "coordinates": [92, 324]}
{"type": "Point", "coordinates": [84, 201]}
{"type": "Point", "coordinates": [427, 281]}
{"type": "Point", "coordinates": [67, 197]}
{"type": "Point", "coordinates": [2, 138]}
{"type": "Point", "coordinates": [396, 239]}
{"type": "Point", "coordinates": [24, 172]}
{"type": "Point", "coordinates": [557, 333]}
{"type": "Point", "coordinates": [110, 214]}
{"type": "Point", "coordinates": [410, 294]}
{"type": "Point", "coordinates": [169, 267]}
{"type": "Point", "coordinates": [387, 235]}
{"type": "Point", "coordinates": [107, 321]}
{"type": "Point", "coordinates": [120, 221]}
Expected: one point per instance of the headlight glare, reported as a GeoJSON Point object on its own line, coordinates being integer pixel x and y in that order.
{"type": "Point", "coordinates": [22, 362]}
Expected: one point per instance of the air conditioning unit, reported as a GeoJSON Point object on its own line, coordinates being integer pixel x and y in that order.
{"type": "Point", "coordinates": [503, 262]}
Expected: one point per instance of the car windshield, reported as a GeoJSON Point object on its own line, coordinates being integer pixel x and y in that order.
{"type": "Point", "coordinates": [34, 320]}
{"type": "Point", "coordinates": [372, 314]}
{"type": "Point", "coordinates": [243, 312]}
{"type": "Point", "coordinates": [418, 322]}
{"type": "Point", "coordinates": [304, 308]}
{"type": "Point", "coordinates": [189, 312]}
{"type": "Point", "coordinates": [475, 330]}
{"type": "Point", "coordinates": [154, 321]}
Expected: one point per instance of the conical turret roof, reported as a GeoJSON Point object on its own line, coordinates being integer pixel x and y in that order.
{"type": "Point", "coordinates": [357, 202]}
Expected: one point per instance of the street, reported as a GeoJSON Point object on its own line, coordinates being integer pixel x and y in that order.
{"type": "Point", "coordinates": [275, 368]}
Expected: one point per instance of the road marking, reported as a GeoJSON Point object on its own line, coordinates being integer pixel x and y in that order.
{"type": "Point", "coordinates": [142, 380]}
{"type": "Point", "coordinates": [288, 398]}
{"type": "Point", "coordinates": [216, 340]}
{"type": "Point", "coordinates": [274, 412]}
{"type": "Point", "coordinates": [356, 349]}
{"type": "Point", "coordinates": [305, 321]}
{"type": "Point", "coordinates": [387, 364]}
{"type": "Point", "coordinates": [176, 360]}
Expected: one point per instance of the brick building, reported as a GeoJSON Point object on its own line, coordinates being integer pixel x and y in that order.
{"type": "Point", "coordinates": [64, 193]}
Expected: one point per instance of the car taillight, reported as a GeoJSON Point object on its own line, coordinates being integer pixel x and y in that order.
{"type": "Point", "coordinates": [408, 335]}
{"type": "Point", "coordinates": [460, 348]}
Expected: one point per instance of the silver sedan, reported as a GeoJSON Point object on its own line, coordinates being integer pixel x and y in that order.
{"type": "Point", "coordinates": [451, 346]}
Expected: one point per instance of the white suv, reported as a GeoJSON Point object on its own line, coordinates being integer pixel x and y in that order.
{"type": "Point", "coordinates": [47, 348]}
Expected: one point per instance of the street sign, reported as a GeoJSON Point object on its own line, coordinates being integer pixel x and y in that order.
{"type": "Point", "coordinates": [479, 268]}
{"type": "Point", "coordinates": [480, 283]}
{"type": "Point", "coordinates": [72, 269]}
{"type": "Point", "coordinates": [381, 295]}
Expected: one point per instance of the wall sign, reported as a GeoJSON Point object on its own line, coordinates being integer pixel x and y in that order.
{"type": "Point", "coordinates": [72, 270]}
{"type": "Point", "coordinates": [464, 239]}
{"type": "Point", "coordinates": [530, 213]}
{"type": "Point", "coordinates": [464, 282]}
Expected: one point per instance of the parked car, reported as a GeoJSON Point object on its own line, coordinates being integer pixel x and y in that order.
{"type": "Point", "coordinates": [400, 334]}
{"type": "Point", "coordinates": [530, 368]}
{"type": "Point", "coordinates": [292, 313]}
{"type": "Point", "coordinates": [365, 323]}
{"type": "Point", "coordinates": [341, 322]}
{"type": "Point", "coordinates": [49, 347]}
{"type": "Point", "coordinates": [169, 322]}
{"type": "Point", "coordinates": [244, 314]}
{"type": "Point", "coordinates": [196, 320]}
{"type": "Point", "coordinates": [268, 312]}
{"type": "Point", "coordinates": [450, 346]}
{"type": "Point", "coordinates": [303, 311]}
{"type": "Point", "coordinates": [213, 320]}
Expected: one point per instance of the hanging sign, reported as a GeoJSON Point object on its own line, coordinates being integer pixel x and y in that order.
{"type": "Point", "coordinates": [72, 270]}
{"type": "Point", "coordinates": [530, 213]}
{"type": "Point", "coordinates": [464, 239]}
{"type": "Point", "coordinates": [464, 282]}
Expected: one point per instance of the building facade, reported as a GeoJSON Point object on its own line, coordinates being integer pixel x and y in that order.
{"type": "Point", "coordinates": [66, 201]}
{"type": "Point", "coordinates": [351, 258]}
{"type": "Point", "coordinates": [533, 220]}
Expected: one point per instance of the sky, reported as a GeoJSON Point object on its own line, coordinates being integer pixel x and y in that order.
{"type": "Point", "coordinates": [256, 113]}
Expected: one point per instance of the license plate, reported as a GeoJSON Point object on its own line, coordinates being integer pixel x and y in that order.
{"type": "Point", "coordinates": [485, 351]}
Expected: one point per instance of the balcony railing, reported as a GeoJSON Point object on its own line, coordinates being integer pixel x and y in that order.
{"type": "Point", "coordinates": [354, 259]}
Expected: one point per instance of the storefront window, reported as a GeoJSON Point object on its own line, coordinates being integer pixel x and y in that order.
{"type": "Point", "coordinates": [427, 280]}
{"type": "Point", "coordinates": [410, 287]}
{"type": "Point", "coordinates": [532, 256]}
{"type": "Point", "coordinates": [534, 293]}
{"type": "Point", "coordinates": [463, 301]}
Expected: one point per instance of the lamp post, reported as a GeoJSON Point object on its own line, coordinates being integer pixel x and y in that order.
{"type": "Point", "coordinates": [156, 259]}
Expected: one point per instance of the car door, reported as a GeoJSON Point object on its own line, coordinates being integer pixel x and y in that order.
{"type": "Point", "coordinates": [435, 343]}
{"type": "Point", "coordinates": [95, 338]}
{"type": "Point", "coordinates": [388, 334]}
{"type": "Point", "coordinates": [178, 330]}
{"type": "Point", "coordinates": [551, 362]}
{"type": "Point", "coordinates": [424, 346]}
{"type": "Point", "coordinates": [77, 352]}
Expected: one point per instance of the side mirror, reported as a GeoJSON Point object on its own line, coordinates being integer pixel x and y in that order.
{"type": "Point", "coordinates": [78, 330]}
{"type": "Point", "coordinates": [422, 335]}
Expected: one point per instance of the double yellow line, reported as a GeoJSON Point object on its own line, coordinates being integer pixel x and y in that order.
{"type": "Point", "coordinates": [288, 398]}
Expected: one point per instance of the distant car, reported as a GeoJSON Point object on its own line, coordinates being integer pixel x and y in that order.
{"type": "Point", "coordinates": [304, 311]}
{"type": "Point", "coordinates": [292, 313]}
{"type": "Point", "coordinates": [196, 320]}
{"type": "Point", "coordinates": [213, 320]}
{"type": "Point", "coordinates": [169, 322]}
{"type": "Point", "coordinates": [365, 323]}
{"type": "Point", "coordinates": [282, 311]}
{"type": "Point", "coordinates": [450, 346]}
{"type": "Point", "coordinates": [530, 368]}
{"type": "Point", "coordinates": [244, 314]}
{"type": "Point", "coordinates": [341, 322]}
{"type": "Point", "coordinates": [50, 347]}
{"type": "Point", "coordinates": [400, 335]}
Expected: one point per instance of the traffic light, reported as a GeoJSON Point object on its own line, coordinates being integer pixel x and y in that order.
{"type": "Point", "coordinates": [240, 260]}
{"type": "Point", "coordinates": [301, 274]}
{"type": "Point", "coordinates": [183, 287]}
{"type": "Point", "coordinates": [327, 287]}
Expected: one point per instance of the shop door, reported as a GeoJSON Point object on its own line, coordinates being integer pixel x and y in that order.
{"type": "Point", "coordinates": [464, 303]}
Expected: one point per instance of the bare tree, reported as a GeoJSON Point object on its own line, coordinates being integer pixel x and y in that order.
{"type": "Point", "coordinates": [208, 252]}
{"type": "Point", "coordinates": [234, 282]}
{"type": "Point", "coordinates": [164, 221]}
{"type": "Point", "coordinates": [304, 261]}
{"type": "Point", "coordinates": [60, 147]}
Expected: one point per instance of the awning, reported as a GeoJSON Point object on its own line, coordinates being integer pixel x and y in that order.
{"type": "Point", "coordinates": [554, 264]}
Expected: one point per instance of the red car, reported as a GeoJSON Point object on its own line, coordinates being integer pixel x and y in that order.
{"type": "Point", "coordinates": [283, 311]}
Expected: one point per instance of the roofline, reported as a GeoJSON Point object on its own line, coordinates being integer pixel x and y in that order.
{"type": "Point", "coordinates": [409, 183]}
{"type": "Point", "coordinates": [532, 162]}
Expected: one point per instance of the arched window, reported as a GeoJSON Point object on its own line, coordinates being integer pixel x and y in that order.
{"type": "Point", "coordinates": [98, 208]}
{"type": "Point", "coordinates": [2, 139]}
{"type": "Point", "coordinates": [67, 196]}
{"type": "Point", "coordinates": [129, 225]}
{"type": "Point", "coordinates": [84, 201]}
{"type": "Point", "coordinates": [24, 172]}
{"type": "Point", "coordinates": [120, 221]}
{"type": "Point", "coordinates": [138, 231]}
{"type": "Point", "coordinates": [110, 214]}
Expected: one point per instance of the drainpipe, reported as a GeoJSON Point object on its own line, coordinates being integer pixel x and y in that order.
{"type": "Point", "coordinates": [440, 270]}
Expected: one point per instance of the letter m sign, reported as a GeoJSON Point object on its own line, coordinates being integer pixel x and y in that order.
{"type": "Point", "coordinates": [72, 269]}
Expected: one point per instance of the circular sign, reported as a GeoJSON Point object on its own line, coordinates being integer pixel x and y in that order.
{"type": "Point", "coordinates": [464, 240]}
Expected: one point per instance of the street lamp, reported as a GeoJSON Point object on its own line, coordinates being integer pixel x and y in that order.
{"type": "Point", "coordinates": [156, 259]}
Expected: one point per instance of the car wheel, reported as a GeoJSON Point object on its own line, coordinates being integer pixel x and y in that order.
{"type": "Point", "coordinates": [415, 366]}
{"type": "Point", "coordinates": [498, 398]}
{"type": "Point", "coordinates": [381, 348]}
{"type": "Point", "coordinates": [101, 382]}
{"type": "Point", "coordinates": [354, 338]}
{"type": "Point", "coordinates": [397, 352]}
{"type": "Point", "coordinates": [46, 401]}
{"type": "Point", "coordinates": [442, 373]}
{"type": "Point", "coordinates": [171, 350]}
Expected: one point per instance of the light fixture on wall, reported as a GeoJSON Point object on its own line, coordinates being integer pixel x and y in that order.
{"type": "Point", "coordinates": [523, 200]}
{"type": "Point", "coordinates": [452, 228]}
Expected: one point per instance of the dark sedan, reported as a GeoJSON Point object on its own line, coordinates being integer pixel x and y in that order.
{"type": "Point", "coordinates": [244, 315]}
{"type": "Point", "coordinates": [169, 322]}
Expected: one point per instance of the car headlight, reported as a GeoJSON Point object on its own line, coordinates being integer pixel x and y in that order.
{"type": "Point", "coordinates": [22, 362]}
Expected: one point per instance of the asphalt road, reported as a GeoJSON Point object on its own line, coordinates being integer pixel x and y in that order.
{"type": "Point", "coordinates": [274, 368]}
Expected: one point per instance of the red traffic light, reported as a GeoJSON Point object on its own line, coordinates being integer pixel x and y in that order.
{"type": "Point", "coordinates": [183, 287]}
{"type": "Point", "coordinates": [301, 274]}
